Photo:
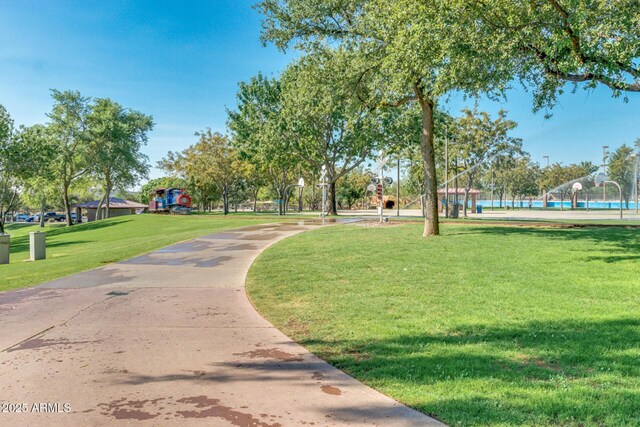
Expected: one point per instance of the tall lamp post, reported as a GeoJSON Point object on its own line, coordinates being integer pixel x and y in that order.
{"type": "Point", "coordinates": [636, 158]}
{"type": "Point", "coordinates": [604, 171]}
{"type": "Point", "coordinates": [323, 184]}
{"type": "Point", "coordinates": [544, 190]}
{"type": "Point", "coordinates": [382, 161]}
{"type": "Point", "coordinates": [446, 176]}
{"type": "Point", "coordinates": [398, 191]}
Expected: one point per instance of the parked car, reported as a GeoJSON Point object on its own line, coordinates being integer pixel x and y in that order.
{"type": "Point", "coordinates": [21, 217]}
{"type": "Point", "coordinates": [48, 216]}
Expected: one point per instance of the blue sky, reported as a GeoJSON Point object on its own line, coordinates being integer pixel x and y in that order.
{"type": "Point", "coordinates": [181, 62]}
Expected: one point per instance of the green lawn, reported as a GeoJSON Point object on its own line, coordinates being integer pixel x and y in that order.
{"type": "Point", "coordinates": [486, 325]}
{"type": "Point", "coordinates": [85, 246]}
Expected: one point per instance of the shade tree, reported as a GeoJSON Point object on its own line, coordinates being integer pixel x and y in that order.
{"type": "Point", "coordinates": [260, 132]}
{"type": "Point", "coordinates": [327, 124]}
{"type": "Point", "coordinates": [393, 63]}
{"type": "Point", "coordinates": [116, 137]}
{"type": "Point", "coordinates": [477, 139]}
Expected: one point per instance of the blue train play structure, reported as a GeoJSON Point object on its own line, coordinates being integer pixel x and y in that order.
{"type": "Point", "coordinates": [170, 200]}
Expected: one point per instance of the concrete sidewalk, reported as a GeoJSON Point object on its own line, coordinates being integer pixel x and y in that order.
{"type": "Point", "coordinates": [170, 338]}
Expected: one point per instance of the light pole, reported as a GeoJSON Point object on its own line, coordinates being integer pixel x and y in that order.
{"type": "Point", "coordinates": [323, 184]}
{"type": "Point", "coordinates": [398, 191]}
{"type": "Point", "coordinates": [544, 190]}
{"type": "Point", "coordinates": [636, 157]}
{"type": "Point", "coordinates": [382, 160]}
{"type": "Point", "coordinates": [604, 171]}
{"type": "Point", "coordinates": [446, 176]}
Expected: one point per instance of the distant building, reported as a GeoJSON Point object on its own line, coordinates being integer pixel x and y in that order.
{"type": "Point", "coordinates": [473, 197]}
{"type": "Point", "coordinates": [117, 207]}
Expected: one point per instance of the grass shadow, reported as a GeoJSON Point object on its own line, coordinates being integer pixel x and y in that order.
{"type": "Point", "coordinates": [622, 244]}
{"type": "Point", "coordinates": [567, 372]}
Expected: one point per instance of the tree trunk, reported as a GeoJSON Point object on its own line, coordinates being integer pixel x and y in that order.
{"type": "Point", "coordinates": [225, 201]}
{"type": "Point", "coordinates": [67, 205]}
{"type": "Point", "coordinates": [255, 201]}
{"type": "Point", "coordinates": [3, 211]}
{"type": "Point", "coordinates": [466, 194]}
{"type": "Point", "coordinates": [466, 200]}
{"type": "Point", "coordinates": [99, 215]}
{"type": "Point", "coordinates": [108, 196]}
{"type": "Point", "coordinates": [43, 206]}
{"type": "Point", "coordinates": [333, 206]}
{"type": "Point", "coordinates": [431, 223]}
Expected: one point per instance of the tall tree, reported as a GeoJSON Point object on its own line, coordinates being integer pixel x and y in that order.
{"type": "Point", "coordinates": [260, 132]}
{"type": "Point", "coordinates": [478, 139]}
{"type": "Point", "coordinates": [395, 63]}
{"type": "Point", "coordinates": [117, 136]}
{"type": "Point", "coordinates": [24, 155]}
{"type": "Point", "coordinates": [328, 125]}
{"type": "Point", "coordinates": [39, 185]}
{"type": "Point", "coordinates": [353, 188]}
{"type": "Point", "coordinates": [523, 179]}
{"type": "Point", "coordinates": [68, 130]}
{"type": "Point", "coordinates": [8, 172]}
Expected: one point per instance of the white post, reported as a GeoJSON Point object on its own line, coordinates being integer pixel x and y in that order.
{"type": "Point", "coordinates": [635, 180]}
{"type": "Point", "coordinates": [324, 191]}
{"type": "Point", "coordinates": [381, 198]}
{"type": "Point", "coordinates": [382, 160]}
{"type": "Point", "coordinates": [5, 241]}
{"type": "Point", "coordinates": [37, 245]}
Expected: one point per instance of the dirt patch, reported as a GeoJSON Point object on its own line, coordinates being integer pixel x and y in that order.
{"type": "Point", "coordinates": [271, 353]}
{"type": "Point", "coordinates": [525, 360]}
{"type": "Point", "coordinates": [376, 224]}
{"type": "Point", "coordinates": [123, 409]}
{"type": "Point", "coordinates": [212, 408]}
{"type": "Point", "coordinates": [297, 326]}
{"type": "Point", "coordinates": [334, 391]}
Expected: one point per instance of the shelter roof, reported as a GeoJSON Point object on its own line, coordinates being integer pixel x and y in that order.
{"type": "Point", "coordinates": [114, 203]}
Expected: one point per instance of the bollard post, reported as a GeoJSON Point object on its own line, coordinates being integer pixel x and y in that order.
{"type": "Point", "coordinates": [5, 240]}
{"type": "Point", "coordinates": [37, 245]}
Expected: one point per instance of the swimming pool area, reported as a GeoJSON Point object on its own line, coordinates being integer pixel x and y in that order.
{"type": "Point", "coordinates": [556, 204]}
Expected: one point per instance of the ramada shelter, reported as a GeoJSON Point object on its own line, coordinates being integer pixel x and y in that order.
{"type": "Point", "coordinates": [117, 207]}
{"type": "Point", "coordinates": [473, 197]}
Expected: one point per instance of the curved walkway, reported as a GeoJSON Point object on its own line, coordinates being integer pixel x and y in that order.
{"type": "Point", "coordinates": [170, 338]}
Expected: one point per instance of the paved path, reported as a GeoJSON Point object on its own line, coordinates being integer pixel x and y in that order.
{"type": "Point", "coordinates": [170, 338]}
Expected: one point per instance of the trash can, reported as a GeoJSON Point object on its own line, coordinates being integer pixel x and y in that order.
{"type": "Point", "coordinates": [453, 210]}
{"type": "Point", "coordinates": [479, 209]}
{"type": "Point", "coordinates": [37, 245]}
{"type": "Point", "coordinates": [5, 239]}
